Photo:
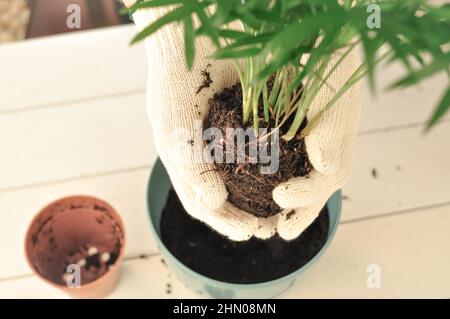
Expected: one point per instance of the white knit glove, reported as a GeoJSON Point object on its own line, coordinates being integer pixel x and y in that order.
{"type": "Point", "coordinates": [175, 106]}
{"type": "Point", "coordinates": [330, 146]}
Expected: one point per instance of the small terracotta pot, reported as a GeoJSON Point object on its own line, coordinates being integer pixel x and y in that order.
{"type": "Point", "coordinates": [77, 244]}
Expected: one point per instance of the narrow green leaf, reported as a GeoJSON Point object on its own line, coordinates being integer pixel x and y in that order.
{"type": "Point", "coordinates": [124, 11]}
{"type": "Point", "coordinates": [223, 11]}
{"type": "Point", "coordinates": [207, 26]}
{"type": "Point", "coordinates": [250, 40]}
{"type": "Point", "coordinates": [154, 3]}
{"type": "Point", "coordinates": [440, 111]}
{"type": "Point", "coordinates": [232, 34]}
{"type": "Point", "coordinates": [268, 17]}
{"type": "Point", "coordinates": [148, 4]}
{"type": "Point", "coordinates": [266, 103]}
{"type": "Point", "coordinates": [170, 17]}
{"type": "Point", "coordinates": [425, 72]}
{"type": "Point", "coordinates": [236, 54]}
{"type": "Point", "coordinates": [189, 41]}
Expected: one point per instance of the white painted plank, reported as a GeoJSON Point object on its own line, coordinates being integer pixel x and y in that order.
{"type": "Point", "coordinates": [70, 67]}
{"type": "Point", "coordinates": [412, 171]}
{"type": "Point", "coordinates": [29, 287]}
{"type": "Point", "coordinates": [140, 278]}
{"type": "Point", "coordinates": [390, 109]}
{"type": "Point", "coordinates": [150, 278]}
{"type": "Point", "coordinates": [125, 191]}
{"type": "Point", "coordinates": [75, 140]}
{"type": "Point", "coordinates": [411, 249]}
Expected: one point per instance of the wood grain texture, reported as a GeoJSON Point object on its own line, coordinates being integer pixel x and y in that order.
{"type": "Point", "coordinates": [58, 69]}
{"type": "Point", "coordinates": [410, 249]}
{"type": "Point", "coordinates": [80, 139]}
{"type": "Point", "coordinates": [397, 171]}
{"type": "Point", "coordinates": [387, 109]}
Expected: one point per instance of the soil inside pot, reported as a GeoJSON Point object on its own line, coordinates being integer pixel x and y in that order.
{"type": "Point", "coordinates": [207, 252]}
{"type": "Point", "coordinates": [248, 188]}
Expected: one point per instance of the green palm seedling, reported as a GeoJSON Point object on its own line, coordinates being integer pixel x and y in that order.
{"type": "Point", "coordinates": [277, 34]}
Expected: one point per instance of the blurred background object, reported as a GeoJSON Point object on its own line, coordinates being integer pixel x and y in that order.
{"type": "Point", "coordinates": [50, 16]}
{"type": "Point", "coordinates": [14, 17]}
{"type": "Point", "coordinates": [20, 19]}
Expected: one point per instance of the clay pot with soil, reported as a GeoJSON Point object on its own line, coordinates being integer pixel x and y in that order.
{"type": "Point", "coordinates": [298, 69]}
{"type": "Point", "coordinates": [77, 244]}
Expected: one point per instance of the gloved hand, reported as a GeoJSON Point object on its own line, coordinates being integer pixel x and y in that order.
{"type": "Point", "coordinates": [175, 107]}
{"type": "Point", "coordinates": [330, 146]}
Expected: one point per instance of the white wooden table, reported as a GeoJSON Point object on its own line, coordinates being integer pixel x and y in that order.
{"type": "Point", "coordinates": [73, 120]}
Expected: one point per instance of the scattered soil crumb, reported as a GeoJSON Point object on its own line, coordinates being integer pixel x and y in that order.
{"type": "Point", "coordinates": [345, 197]}
{"type": "Point", "coordinates": [168, 288]}
{"type": "Point", "coordinates": [374, 173]}
{"type": "Point", "coordinates": [163, 262]}
{"type": "Point", "coordinates": [143, 257]}
{"type": "Point", "coordinates": [290, 214]}
{"type": "Point", "coordinates": [207, 81]}
{"type": "Point", "coordinates": [398, 168]}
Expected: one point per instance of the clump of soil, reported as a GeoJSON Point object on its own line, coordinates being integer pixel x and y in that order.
{"type": "Point", "coordinates": [248, 189]}
{"type": "Point", "coordinates": [374, 173]}
{"type": "Point", "coordinates": [207, 252]}
{"type": "Point", "coordinates": [207, 81]}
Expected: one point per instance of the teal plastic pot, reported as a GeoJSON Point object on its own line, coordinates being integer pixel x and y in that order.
{"type": "Point", "coordinates": [157, 192]}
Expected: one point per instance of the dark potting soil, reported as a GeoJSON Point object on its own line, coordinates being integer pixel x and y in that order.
{"type": "Point", "coordinates": [207, 252]}
{"type": "Point", "coordinates": [248, 189]}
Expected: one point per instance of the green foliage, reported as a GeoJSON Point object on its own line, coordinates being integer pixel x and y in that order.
{"type": "Point", "coordinates": [276, 34]}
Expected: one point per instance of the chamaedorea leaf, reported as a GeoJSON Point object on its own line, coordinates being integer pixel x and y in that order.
{"type": "Point", "coordinates": [281, 60]}
{"type": "Point", "coordinates": [154, 3]}
{"type": "Point", "coordinates": [236, 53]}
{"type": "Point", "coordinates": [189, 41]}
{"type": "Point", "coordinates": [230, 34]}
{"type": "Point", "coordinates": [424, 72]}
{"type": "Point", "coordinates": [442, 108]}
{"type": "Point", "coordinates": [175, 15]}
{"type": "Point", "coordinates": [248, 40]}
{"type": "Point", "coordinates": [278, 33]}
{"type": "Point", "coordinates": [207, 25]}
{"type": "Point", "coordinates": [268, 17]}
{"type": "Point", "coordinates": [149, 4]}
{"type": "Point", "coordinates": [249, 19]}
{"type": "Point", "coordinates": [223, 11]}
{"type": "Point", "coordinates": [325, 48]}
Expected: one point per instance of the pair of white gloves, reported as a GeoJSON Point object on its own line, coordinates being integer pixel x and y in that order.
{"type": "Point", "coordinates": [172, 104]}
